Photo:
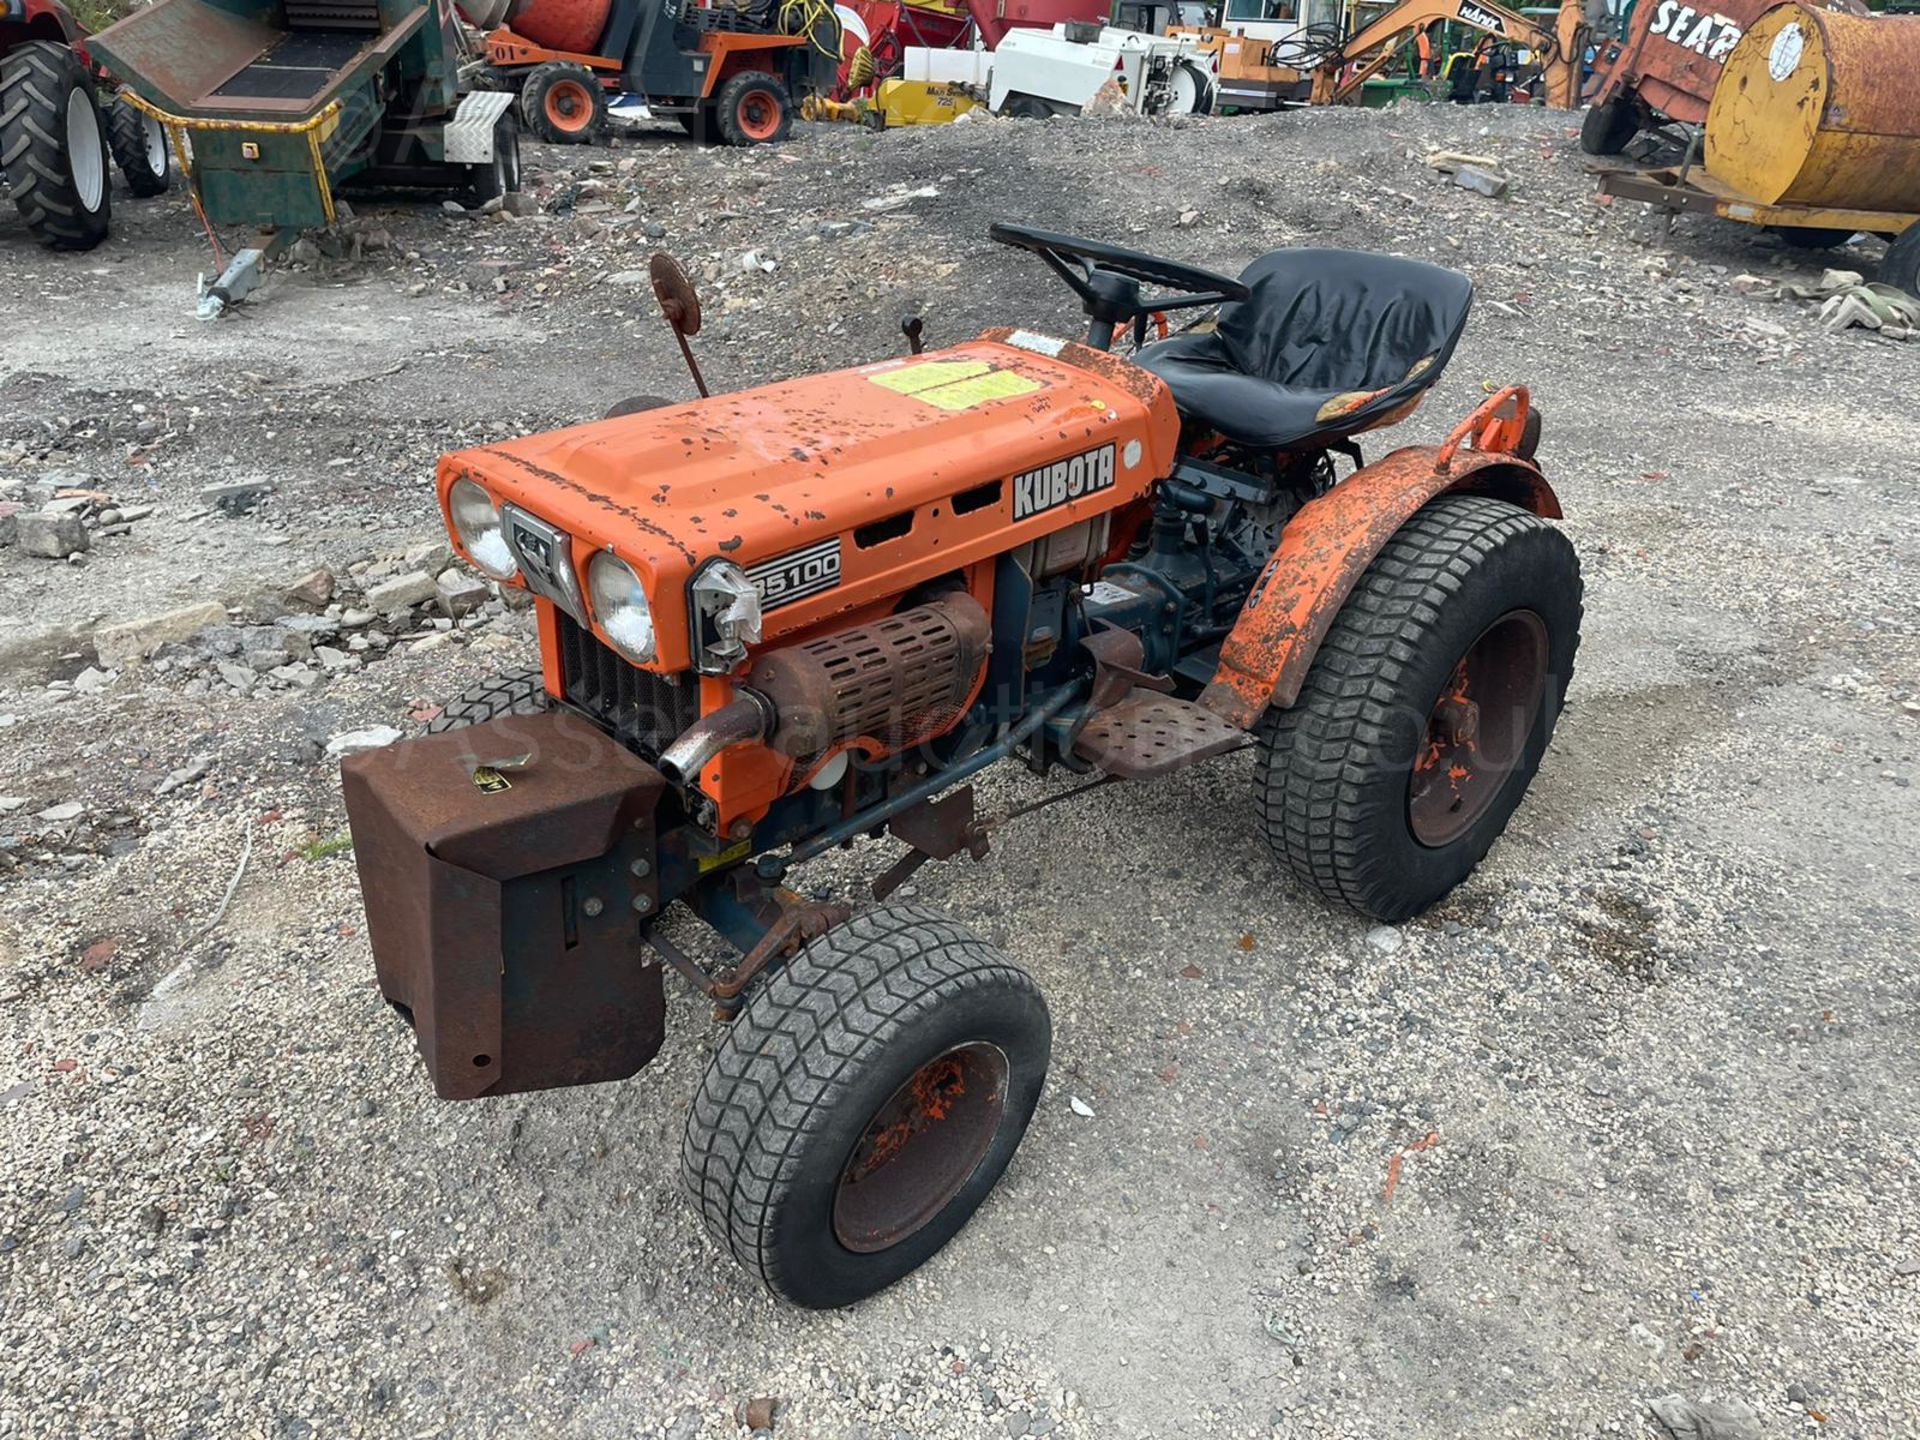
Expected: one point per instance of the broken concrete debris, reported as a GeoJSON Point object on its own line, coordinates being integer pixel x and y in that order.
{"type": "Point", "coordinates": [131, 641]}
{"type": "Point", "coordinates": [50, 535]}
{"type": "Point", "coordinates": [401, 592]}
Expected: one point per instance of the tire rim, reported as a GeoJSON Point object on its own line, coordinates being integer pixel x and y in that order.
{"type": "Point", "coordinates": [569, 108]}
{"type": "Point", "coordinates": [86, 161]}
{"type": "Point", "coordinates": [759, 115]}
{"type": "Point", "coordinates": [921, 1147]}
{"type": "Point", "coordinates": [1478, 728]}
{"type": "Point", "coordinates": [153, 136]}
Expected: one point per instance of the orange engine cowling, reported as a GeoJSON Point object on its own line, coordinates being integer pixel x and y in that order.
{"type": "Point", "coordinates": [573, 25]}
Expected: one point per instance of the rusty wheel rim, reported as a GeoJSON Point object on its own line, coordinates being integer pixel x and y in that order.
{"type": "Point", "coordinates": [1478, 728]}
{"type": "Point", "coordinates": [569, 106]}
{"type": "Point", "coordinates": [759, 115]}
{"type": "Point", "coordinates": [921, 1147]}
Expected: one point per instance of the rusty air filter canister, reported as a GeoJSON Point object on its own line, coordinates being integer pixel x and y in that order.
{"type": "Point", "coordinates": [894, 682]}
{"type": "Point", "coordinates": [1817, 108]}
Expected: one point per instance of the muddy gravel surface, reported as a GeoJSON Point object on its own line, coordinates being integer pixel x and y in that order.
{"type": "Point", "coordinates": [1630, 1116]}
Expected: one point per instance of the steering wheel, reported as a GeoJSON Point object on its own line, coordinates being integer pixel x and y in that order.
{"type": "Point", "coordinates": [1108, 279]}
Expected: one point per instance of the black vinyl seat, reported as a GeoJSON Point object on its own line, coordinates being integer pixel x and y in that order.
{"type": "Point", "coordinates": [1329, 343]}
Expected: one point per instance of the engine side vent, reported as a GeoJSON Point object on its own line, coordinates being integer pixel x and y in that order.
{"type": "Point", "coordinates": [642, 710]}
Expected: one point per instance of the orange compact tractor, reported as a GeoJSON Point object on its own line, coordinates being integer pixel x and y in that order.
{"type": "Point", "coordinates": [777, 621]}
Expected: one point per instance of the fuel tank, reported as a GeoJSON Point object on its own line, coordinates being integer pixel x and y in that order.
{"type": "Point", "coordinates": [1817, 108]}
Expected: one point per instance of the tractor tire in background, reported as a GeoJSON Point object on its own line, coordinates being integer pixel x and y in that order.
{"type": "Point", "coordinates": [1609, 125]}
{"type": "Point", "coordinates": [753, 108]}
{"type": "Point", "coordinates": [53, 146]}
{"type": "Point", "coordinates": [516, 692]}
{"type": "Point", "coordinates": [140, 149]}
{"type": "Point", "coordinates": [864, 1103]}
{"type": "Point", "coordinates": [1026, 107]}
{"type": "Point", "coordinates": [501, 176]}
{"type": "Point", "coordinates": [563, 104]}
{"type": "Point", "coordinates": [1900, 266]}
{"type": "Point", "coordinates": [1427, 708]}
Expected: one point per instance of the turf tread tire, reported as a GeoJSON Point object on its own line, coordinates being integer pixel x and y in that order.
{"type": "Point", "coordinates": [35, 80]}
{"type": "Point", "coordinates": [515, 692]}
{"type": "Point", "coordinates": [783, 1071]}
{"type": "Point", "coordinates": [127, 139]}
{"type": "Point", "coordinates": [1324, 802]}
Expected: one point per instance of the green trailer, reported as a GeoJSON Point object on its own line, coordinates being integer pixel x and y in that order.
{"type": "Point", "coordinates": [274, 106]}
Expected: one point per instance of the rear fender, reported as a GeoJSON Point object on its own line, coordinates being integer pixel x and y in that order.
{"type": "Point", "coordinates": [1325, 549]}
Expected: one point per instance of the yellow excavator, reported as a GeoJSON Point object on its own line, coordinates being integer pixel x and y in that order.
{"type": "Point", "coordinates": [1288, 52]}
{"type": "Point", "coordinates": [1560, 52]}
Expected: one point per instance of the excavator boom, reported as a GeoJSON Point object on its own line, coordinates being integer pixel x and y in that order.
{"type": "Point", "coordinates": [1372, 48]}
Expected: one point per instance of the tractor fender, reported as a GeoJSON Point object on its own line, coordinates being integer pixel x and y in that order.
{"type": "Point", "coordinates": [1324, 550]}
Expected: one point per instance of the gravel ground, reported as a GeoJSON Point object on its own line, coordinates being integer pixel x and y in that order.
{"type": "Point", "coordinates": [1646, 1081]}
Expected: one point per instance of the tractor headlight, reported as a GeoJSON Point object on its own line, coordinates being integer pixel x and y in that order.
{"type": "Point", "coordinates": [620, 605]}
{"type": "Point", "coordinates": [476, 525]}
{"type": "Point", "coordinates": [726, 617]}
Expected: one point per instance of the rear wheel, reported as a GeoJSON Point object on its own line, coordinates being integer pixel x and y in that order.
{"type": "Point", "coordinates": [563, 103]}
{"type": "Point", "coordinates": [753, 108]}
{"type": "Point", "coordinates": [1427, 708]}
{"type": "Point", "coordinates": [1900, 266]}
{"type": "Point", "coordinates": [1609, 125]}
{"type": "Point", "coordinates": [139, 145]}
{"type": "Point", "coordinates": [864, 1103]}
{"type": "Point", "coordinates": [53, 146]}
{"type": "Point", "coordinates": [516, 692]}
{"type": "Point", "coordinates": [1027, 107]}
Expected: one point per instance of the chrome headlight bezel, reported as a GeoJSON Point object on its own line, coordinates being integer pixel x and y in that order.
{"type": "Point", "coordinates": [725, 609]}
{"type": "Point", "coordinates": [474, 517]}
{"type": "Point", "coordinates": [621, 609]}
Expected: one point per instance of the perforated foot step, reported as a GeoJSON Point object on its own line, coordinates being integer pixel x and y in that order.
{"type": "Point", "coordinates": [1148, 735]}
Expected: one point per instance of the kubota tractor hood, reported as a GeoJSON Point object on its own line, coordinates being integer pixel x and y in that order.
{"type": "Point", "coordinates": [837, 490]}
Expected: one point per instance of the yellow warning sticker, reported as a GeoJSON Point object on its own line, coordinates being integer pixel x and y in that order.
{"type": "Point", "coordinates": [726, 857]}
{"type": "Point", "coordinates": [955, 384]}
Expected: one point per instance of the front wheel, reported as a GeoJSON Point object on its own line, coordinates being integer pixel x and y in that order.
{"type": "Point", "coordinates": [53, 146]}
{"type": "Point", "coordinates": [563, 103]}
{"type": "Point", "coordinates": [1427, 708]}
{"type": "Point", "coordinates": [864, 1103]}
{"type": "Point", "coordinates": [139, 145]}
{"type": "Point", "coordinates": [753, 108]}
{"type": "Point", "coordinates": [1609, 125]}
{"type": "Point", "coordinates": [517, 692]}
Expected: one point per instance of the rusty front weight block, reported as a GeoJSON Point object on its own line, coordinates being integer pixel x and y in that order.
{"type": "Point", "coordinates": [505, 868]}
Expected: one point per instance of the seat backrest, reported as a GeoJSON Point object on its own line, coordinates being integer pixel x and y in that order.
{"type": "Point", "coordinates": [1346, 320]}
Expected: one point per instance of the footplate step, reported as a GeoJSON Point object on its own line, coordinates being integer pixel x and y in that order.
{"type": "Point", "coordinates": [1148, 735]}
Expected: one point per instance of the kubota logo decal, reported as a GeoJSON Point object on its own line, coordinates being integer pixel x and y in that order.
{"type": "Point", "coordinates": [796, 576]}
{"type": "Point", "coordinates": [1040, 490]}
{"type": "Point", "coordinates": [1713, 36]}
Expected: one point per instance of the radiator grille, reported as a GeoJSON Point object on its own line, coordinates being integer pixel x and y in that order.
{"type": "Point", "coordinates": [640, 709]}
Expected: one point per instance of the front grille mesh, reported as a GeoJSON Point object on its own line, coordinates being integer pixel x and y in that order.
{"type": "Point", "coordinates": [642, 710]}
